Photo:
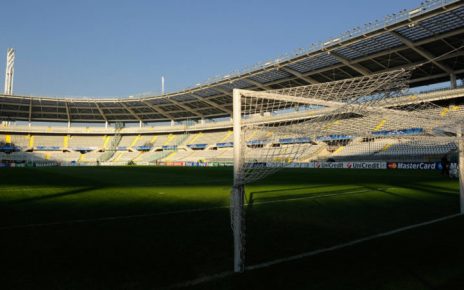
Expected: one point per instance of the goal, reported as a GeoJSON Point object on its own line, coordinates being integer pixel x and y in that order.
{"type": "Point", "coordinates": [276, 128]}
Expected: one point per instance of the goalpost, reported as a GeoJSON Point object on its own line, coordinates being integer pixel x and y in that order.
{"type": "Point", "coordinates": [460, 142]}
{"type": "Point", "coordinates": [238, 189]}
{"type": "Point", "coordinates": [273, 129]}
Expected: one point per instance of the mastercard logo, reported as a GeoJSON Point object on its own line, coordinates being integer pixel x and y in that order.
{"type": "Point", "coordinates": [392, 165]}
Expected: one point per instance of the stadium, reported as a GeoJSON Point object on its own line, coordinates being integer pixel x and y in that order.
{"type": "Point", "coordinates": [230, 184]}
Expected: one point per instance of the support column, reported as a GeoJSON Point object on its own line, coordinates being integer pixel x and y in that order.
{"type": "Point", "coordinates": [106, 124]}
{"type": "Point", "coordinates": [69, 124]}
{"type": "Point", "coordinates": [9, 74]}
{"type": "Point", "coordinates": [140, 124]}
{"type": "Point", "coordinates": [202, 121]}
{"type": "Point", "coordinates": [238, 189]}
{"type": "Point", "coordinates": [173, 123]}
{"type": "Point", "coordinates": [461, 167]}
{"type": "Point", "coordinates": [453, 81]}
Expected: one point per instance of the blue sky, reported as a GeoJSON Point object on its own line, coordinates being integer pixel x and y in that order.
{"type": "Point", "coordinates": [121, 47]}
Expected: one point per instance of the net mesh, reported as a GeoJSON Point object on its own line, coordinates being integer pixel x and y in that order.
{"type": "Point", "coordinates": [280, 127]}
{"type": "Point", "coordinates": [369, 118]}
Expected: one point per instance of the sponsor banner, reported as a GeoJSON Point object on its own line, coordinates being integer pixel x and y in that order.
{"type": "Point", "coordinates": [225, 145]}
{"type": "Point", "coordinates": [217, 164]}
{"type": "Point", "coordinates": [48, 148]}
{"type": "Point", "coordinates": [334, 138]}
{"type": "Point", "coordinates": [301, 165]}
{"type": "Point", "coordinates": [349, 165]}
{"type": "Point", "coordinates": [172, 163]}
{"type": "Point", "coordinates": [300, 140]}
{"type": "Point", "coordinates": [328, 165]}
{"type": "Point", "coordinates": [143, 148]}
{"type": "Point", "coordinates": [257, 142]}
{"type": "Point", "coordinates": [294, 165]}
{"type": "Point", "coordinates": [307, 165]}
{"type": "Point", "coordinates": [226, 164]}
{"type": "Point", "coordinates": [45, 164]}
{"type": "Point", "coordinates": [418, 165]}
{"type": "Point", "coordinates": [365, 165]}
{"type": "Point", "coordinates": [197, 164]}
{"type": "Point", "coordinates": [412, 165]}
{"type": "Point", "coordinates": [410, 131]}
{"type": "Point", "coordinates": [197, 146]}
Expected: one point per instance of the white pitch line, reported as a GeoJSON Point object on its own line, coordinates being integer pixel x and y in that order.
{"type": "Point", "coordinates": [111, 218]}
{"type": "Point", "coordinates": [182, 211]}
{"type": "Point", "coordinates": [213, 277]}
{"type": "Point", "coordinates": [311, 197]}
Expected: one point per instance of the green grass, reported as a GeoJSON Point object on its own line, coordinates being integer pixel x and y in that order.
{"type": "Point", "coordinates": [289, 213]}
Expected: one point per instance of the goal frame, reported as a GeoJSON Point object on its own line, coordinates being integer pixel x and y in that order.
{"type": "Point", "coordinates": [238, 188]}
{"type": "Point", "coordinates": [238, 219]}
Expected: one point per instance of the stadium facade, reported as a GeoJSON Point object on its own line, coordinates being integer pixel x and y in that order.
{"type": "Point", "coordinates": [194, 125]}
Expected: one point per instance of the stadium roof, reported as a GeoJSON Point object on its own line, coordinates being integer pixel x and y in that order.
{"type": "Point", "coordinates": [432, 33]}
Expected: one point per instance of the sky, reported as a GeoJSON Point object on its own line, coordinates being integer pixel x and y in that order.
{"type": "Point", "coordinates": [118, 48]}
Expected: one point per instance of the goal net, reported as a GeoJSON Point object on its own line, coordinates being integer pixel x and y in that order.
{"type": "Point", "coordinates": [276, 128]}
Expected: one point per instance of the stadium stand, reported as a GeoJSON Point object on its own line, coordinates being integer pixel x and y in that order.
{"type": "Point", "coordinates": [194, 124]}
{"type": "Point", "coordinates": [390, 139]}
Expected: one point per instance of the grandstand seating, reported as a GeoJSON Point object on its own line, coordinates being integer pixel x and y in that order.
{"type": "Point", "coordinates": [387, 139]}
{"type": "Point", "coordinates": [363, 148]}
{"type": "Point", "coordinates": [402, 149]}
{"type": "Point", "coordinates": [49, 140]}
{"type": "Point", "coordinates": [94, 142]}
{"type": "Point", "coordinates": [382, 147]}
{"type": "Point", "coordinates": [419, 148]}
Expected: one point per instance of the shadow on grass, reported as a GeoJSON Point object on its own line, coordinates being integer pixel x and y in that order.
{"type": "Point", "coordinates": [138, 254]}
{"type": "Point", "coordinates": [55, 195]}
{"type": "Point", "coordinates": [396, 195]}
{"type": "Point", "coordinates": [252, 199]}
{"type": "Point", "coordinates": [261, 196]}
{"type": "Point", "coordinates": [432, 189]}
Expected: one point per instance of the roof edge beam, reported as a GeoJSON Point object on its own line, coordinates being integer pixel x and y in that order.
{"type": "Point", "coordinates": [424, 53]}
{"type": "Point", "coordinates": [212, 104]}
{"type": "Point", "coordinates": [158, 110]}
{"type": "Point", "coordinates": [101, 112]}
{"type": "Point", "coordinates": [225, 92]}
{"type": "Point", "coordinates": [357, 67]}
{"type": "Point", "coordinates": [67, 112]}
{"type": "Point", "coordinates": [299, 75]}
{"type": "Point", "coordinates": [179, 104]}
{"type": "Point", "coordinates": [131, 111]}
{"type": "Point", "coordinates": [30, 110]}
{"type": "Point", "coordinates": [257, 84]}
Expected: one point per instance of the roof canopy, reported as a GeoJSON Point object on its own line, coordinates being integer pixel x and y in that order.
{"type": "Point", "coordinates": [406, 39]}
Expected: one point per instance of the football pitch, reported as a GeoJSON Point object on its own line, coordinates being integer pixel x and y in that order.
{"type": "Point", "coordinates": [168, 227]}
